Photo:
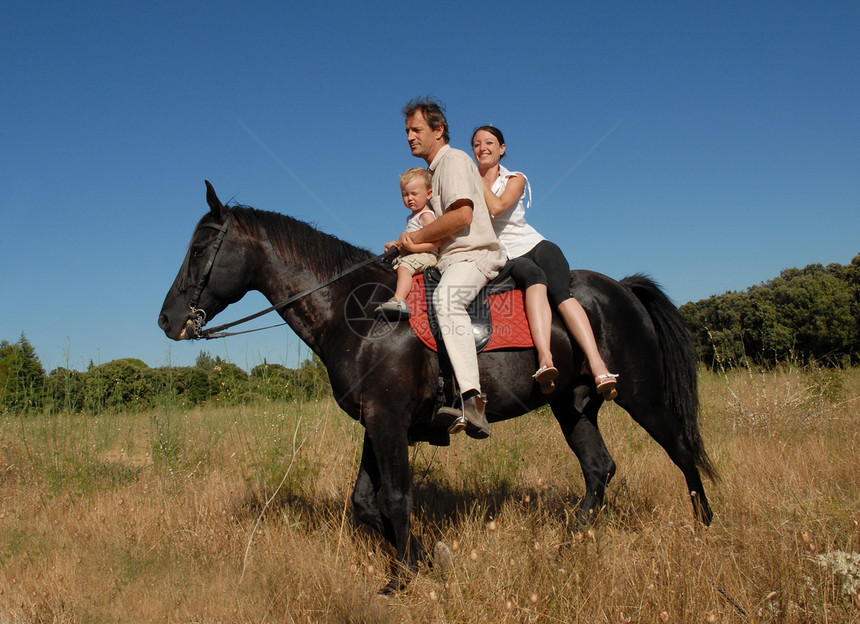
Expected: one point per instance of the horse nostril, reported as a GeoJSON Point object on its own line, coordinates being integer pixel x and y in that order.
{"type": "Point", "coordinates": [163, 321]}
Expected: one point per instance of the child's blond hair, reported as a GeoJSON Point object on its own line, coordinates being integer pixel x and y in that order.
{"type": "Point", "coordinates": [415, 172]}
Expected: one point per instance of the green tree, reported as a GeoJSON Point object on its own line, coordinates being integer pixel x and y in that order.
{"type": "Point", "coordinates": [22, 378]}
{"type": "Point", "coordinates": [186, 384]}
{"type": "Point", "coordinates": [273, 381]}
{"type": "Point", "coordinates": [227, 382]}
{"type": "Point", "coordinates": [312, 379]}
{"type": "Point", "coordinates": [64, 390]}
{"type": "Point", "coordinates": [205, 361]}
{"type": "Point", "coordinates": [120, 384]}
{"type": "Point", "coordinates": [816, 308]}
{"type": "Point", "coordinates": [808, 314]}
{"type": "Point", "coordinates": [717, 324]}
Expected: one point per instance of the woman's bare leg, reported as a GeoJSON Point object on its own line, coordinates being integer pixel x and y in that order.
{"type": "Point", "coordinates": [576, 320]}
{"type": "Point", "coordinates": [539, 315]}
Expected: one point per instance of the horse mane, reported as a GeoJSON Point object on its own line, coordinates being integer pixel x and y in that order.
{"type": "Point", "coordinates": [297, 241]}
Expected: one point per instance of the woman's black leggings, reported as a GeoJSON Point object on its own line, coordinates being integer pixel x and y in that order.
{"type": "Point", "coordinates": [544, 264]}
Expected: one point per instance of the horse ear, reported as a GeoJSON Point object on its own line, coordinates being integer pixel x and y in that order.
{"type": "Point", "coordinates": [215, 204]}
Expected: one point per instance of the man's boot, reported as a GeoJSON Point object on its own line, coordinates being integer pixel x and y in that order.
{"type": "Point", "coordinates": [471, 418]}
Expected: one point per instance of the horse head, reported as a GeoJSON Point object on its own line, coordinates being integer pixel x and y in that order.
{"type": "Point", "coordinates": [211, 277]}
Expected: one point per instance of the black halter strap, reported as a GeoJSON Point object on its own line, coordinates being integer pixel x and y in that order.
{"type": "Point", "coordinates": [204, 277]}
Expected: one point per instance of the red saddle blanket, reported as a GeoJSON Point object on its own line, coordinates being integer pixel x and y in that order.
{"type": "Point", "coordinates": [507, 310]}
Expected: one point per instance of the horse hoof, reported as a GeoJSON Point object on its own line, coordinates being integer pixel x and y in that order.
{"type": "Point", "coordinates": [586, 517]}
{"type": "Point", "coordinates": [392, 587]}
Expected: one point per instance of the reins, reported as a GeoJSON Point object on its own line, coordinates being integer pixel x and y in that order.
{"type": "Point", "coordinates": [198, 317]}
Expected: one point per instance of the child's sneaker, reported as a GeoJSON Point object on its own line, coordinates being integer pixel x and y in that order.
{"type": "Point", "coordinates": [393, 310]}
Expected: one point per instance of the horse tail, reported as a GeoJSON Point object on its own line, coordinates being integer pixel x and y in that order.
{"type": "Point", "coordinates": [679, 363]}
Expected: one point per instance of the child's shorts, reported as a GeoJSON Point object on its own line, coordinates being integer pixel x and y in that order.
{"type": "Point", "coordinates": [417, 262]}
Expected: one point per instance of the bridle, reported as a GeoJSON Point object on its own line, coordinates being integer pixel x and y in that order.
{"type": "Point", "coordinates": [197, 316]}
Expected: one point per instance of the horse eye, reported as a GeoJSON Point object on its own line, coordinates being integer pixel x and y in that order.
{"type": "Point", "coordinates": [197, 251]}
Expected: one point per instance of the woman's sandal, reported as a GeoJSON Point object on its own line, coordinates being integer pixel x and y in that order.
{"type": "Point", "coordinates": [546, 376]}
{"type": "Point", "coordinates": [606, 386]}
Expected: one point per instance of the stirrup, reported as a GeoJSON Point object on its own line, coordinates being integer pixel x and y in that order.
{"type": "Point", "coordinates": [458, 425]}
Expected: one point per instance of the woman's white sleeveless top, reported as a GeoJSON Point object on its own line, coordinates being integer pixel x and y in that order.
{"type": "Point", "coordinates": [515, 235]}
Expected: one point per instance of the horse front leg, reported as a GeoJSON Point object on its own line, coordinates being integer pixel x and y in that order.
{"type": "Point", "coordinates": [364, 495]}
{"type": "Point", "coordinates": [382, 498]}
{"type": "Point", "coordinates": [583, 437]}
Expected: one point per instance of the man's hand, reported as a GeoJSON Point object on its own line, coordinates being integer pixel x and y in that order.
{"type": "Point", "coordinates": [391, 252]}
{"type": "Point", "coordinates": [405, 242]}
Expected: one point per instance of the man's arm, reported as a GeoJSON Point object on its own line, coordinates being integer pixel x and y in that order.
{"type": "Point", "coordinates": [458, 216]}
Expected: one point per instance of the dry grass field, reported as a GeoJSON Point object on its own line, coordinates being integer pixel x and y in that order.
{"type": "Point", "coordinates": [242, 514]}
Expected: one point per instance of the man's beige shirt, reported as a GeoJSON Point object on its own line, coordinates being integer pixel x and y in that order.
{"type": "Point", "coordinates": [456, 177]}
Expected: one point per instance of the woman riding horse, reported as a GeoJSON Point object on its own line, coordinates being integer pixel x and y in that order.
{"type": "Point", "coordinates": [384, 377]}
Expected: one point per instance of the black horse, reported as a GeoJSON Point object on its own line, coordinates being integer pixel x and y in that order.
{"type": "Point", "coordinates": [385, 378]}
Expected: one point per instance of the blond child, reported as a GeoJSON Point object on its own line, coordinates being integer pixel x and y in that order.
{"type": "Point", "coordinates": [416, 189]}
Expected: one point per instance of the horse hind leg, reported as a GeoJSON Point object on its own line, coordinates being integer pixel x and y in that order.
{"type": "Point", "coordinates": [583, 437]}
{"type": "Point", "coordinates": [668, 432]}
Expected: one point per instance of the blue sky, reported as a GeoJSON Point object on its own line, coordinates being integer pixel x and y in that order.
{"type": "Point", "coordinates": [710, 145]}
